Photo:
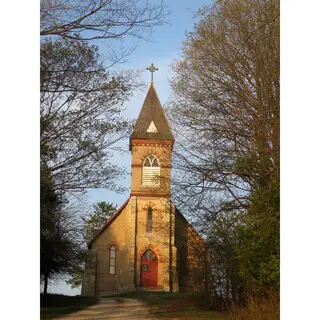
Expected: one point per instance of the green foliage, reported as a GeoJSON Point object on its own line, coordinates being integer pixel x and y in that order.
{"type": "Point", "coordinates": [76, 278]}
{"type": "Point", "coordinates": [96, 220]}
{"type": "Point", "coordinates": [91, 224]}
{"type": "Point", "coordinates": [61, 242]}
{"type": "Point", "coordinates": [259, 252]}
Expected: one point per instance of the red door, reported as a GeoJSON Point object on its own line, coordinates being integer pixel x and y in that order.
{"type": "Point", "coordinates": [149, 269]}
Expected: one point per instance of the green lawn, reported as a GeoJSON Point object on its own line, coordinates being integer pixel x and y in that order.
{"type": "Point", "coordinates": [164, 305]}
{"type": "Point", "coordinates": [167, 305]}
{"type": "Point", "coordinates": [54, 305]}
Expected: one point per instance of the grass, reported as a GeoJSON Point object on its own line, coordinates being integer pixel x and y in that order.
{"type": "Point", "coordinates": [178, 306]}
{"type": "Point", "coordinates": [164, 305]}
{"type": "Point", "coordinates": [259, 309]}
{"type": "Point", "coordinates": [54, 305]}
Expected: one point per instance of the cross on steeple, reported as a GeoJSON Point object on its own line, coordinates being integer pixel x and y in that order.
{"type": "Point", "coordinates": [152, 69]}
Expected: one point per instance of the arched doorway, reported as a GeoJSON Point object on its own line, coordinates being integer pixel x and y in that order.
{"type": "Point", "coordinates": [149, 269]}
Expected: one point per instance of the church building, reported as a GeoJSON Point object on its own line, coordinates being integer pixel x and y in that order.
{"type": "Point", "coordinates": [147, 244]}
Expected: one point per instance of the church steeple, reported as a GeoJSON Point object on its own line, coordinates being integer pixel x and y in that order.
{"type": "Point", "coordinates": [152, 123]}
{"type": "Point", "coordinates": [151, 145]}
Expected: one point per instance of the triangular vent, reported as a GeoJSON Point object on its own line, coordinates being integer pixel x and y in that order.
{"type": "Point", "coordinates": [152, 127]}
{"type": "Point", "coordinates": [152, 111]}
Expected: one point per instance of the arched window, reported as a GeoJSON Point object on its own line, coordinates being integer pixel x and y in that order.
{"type": "Point", "coordinates": [151, 171]}
{"type": "Point", "coordinates": [112, 260]}
{"type": "Point", "coordinates": [149, 220]}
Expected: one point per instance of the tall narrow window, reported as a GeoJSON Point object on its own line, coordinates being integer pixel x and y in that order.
{"type": "Point", "coordinates": [149, 220]}
{"type": "Point", "coordinates": [151, 171]}
{"type": "Point", "coordinates": [112, 260]}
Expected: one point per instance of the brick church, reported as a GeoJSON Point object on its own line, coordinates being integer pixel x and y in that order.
{"type": "Point", "coordinates": [147, 244]}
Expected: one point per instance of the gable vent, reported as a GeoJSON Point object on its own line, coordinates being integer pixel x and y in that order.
{"type": "Point", "coordinates": [152, 127]}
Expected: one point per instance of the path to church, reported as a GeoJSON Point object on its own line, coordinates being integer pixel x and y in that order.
{"type": "Point", "coordinates": [113, 309]}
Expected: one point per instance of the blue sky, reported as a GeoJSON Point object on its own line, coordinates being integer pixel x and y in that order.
{"type": "Point", "coordinates": [162, 50]}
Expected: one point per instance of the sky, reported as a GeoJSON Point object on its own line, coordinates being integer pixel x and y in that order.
{"type": "Point", "coordinates": [162, 49]}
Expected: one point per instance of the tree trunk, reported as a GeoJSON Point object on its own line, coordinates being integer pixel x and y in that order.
{"type": "Point", "coordinates": [46, 280]}
{"type": "Point", "coordinates": [206, 276]}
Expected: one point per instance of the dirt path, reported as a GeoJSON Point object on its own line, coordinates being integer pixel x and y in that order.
{"type": "Point", "coordinates": [113, 309]}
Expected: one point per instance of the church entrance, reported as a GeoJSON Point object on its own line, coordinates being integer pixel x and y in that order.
{"type": "Point", "coordinates": [149, 270]}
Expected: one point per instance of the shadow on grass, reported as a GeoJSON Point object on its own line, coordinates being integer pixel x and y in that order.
{"type": "Point", "coordinates": [55, 305]}
{"type": "Point", "coordinates": [172, 305]}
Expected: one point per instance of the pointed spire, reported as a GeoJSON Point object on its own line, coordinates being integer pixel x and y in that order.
{"type": "Point", "coordinates": [152, 112]}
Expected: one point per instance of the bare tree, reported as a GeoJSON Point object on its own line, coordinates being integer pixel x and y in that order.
{"type": "Point", "coordinates": [81, 97]}
{"type": "Point", "coordinates": [99, 19]}
{"type": "Point", "coordinates": [81, 101]}
{"type": "Point", "coordinates": [226, 99]}
{"type": "Point", "coordinates": [225, 111]}
{"type": "Point", "coordinates": [80, 115]}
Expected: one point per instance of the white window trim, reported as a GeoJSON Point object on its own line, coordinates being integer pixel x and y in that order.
{"type": "Point", "coordinates": [150, 175]}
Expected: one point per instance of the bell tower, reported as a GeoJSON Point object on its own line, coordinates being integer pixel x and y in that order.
{"type": "Point", "coordinates": [151, 145]}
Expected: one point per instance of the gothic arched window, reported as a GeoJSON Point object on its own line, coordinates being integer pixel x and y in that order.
{"type": "Point", "coordinates": [151, 171]}
{"type": "Point", "coordinates": [149, 220]}
{"type": "Point", "coordinates": [112, 260]}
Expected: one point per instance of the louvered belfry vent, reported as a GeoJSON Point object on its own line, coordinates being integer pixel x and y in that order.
{"type": "Point", "coordinates": [151, 171]}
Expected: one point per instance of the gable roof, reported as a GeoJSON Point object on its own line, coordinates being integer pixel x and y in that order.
{"type": "Point", "coordinates": [120, 210]}
{"type": "Point", "coordinates": [108, 222]}
{"type": "Point", "coordinates": [152, 112]}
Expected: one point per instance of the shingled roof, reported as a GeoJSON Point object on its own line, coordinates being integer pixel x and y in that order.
{"type": "Point", "coordinates": [152, 112]}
